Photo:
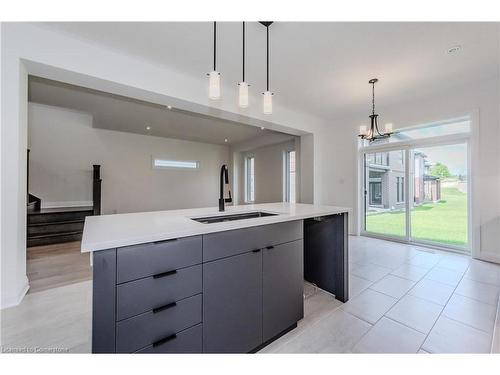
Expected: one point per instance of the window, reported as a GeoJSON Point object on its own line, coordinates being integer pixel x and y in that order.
{"type": "Point", "coordinates": [401, 157]}
{"type": "Point", "coordinates": [250, 179]}
{"type": "Point", "coordinates": [289, 179]}
{"type": "Point", "coordinates": [400, 189]}
{"type": "Point", "coordinates": [457, 126]}
{"type": "Point", "coordinates": [159, 163]}
{"type": "Point", "coordinates": [379, 158]}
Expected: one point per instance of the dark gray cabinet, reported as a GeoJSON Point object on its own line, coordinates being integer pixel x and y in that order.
{"type": "Point", "coordinates": [224, 292]}
{"type": "Point", "coordinates": [232, 304]}
{"type": "Point", "coordinates": [283, 280]}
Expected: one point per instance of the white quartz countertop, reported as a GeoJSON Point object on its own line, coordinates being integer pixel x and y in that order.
{"type": "Point", "coordinates": [110, 231]}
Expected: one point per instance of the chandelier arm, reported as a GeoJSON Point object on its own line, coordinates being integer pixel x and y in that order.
{"type": "Point", "coordinates": [376, 127]}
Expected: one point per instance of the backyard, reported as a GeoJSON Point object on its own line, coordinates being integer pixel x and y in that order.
{"type": "Point", "coordinates": [444, 222]}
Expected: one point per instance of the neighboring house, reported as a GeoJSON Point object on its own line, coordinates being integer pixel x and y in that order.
{"type": "Point", "coordinates": [386, 180]}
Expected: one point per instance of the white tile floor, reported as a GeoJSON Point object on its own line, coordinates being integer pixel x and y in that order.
{"type": "Point", "coordinates": [403, 299]}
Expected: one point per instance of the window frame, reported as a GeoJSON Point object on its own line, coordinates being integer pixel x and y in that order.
{"type": "Point", "coordinates": [248, 181]}
{"type": "Point", "coordinates": [286, 176]}
{"type": "Point", "coordinates": [471, 138]}
{"type": "Point", "coordinates": [173, 161]}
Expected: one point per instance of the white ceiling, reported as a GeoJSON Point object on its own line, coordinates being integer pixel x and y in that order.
{"type": "Point", "coordinates": [318, 68]}
{"type": "Point", "coordinates": [118, 113]}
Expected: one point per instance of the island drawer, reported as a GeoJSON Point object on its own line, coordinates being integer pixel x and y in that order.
{"type": "Point", "coordinates": [187, 341]}
{"type": "Point", "coordinates": [152, 327]}
{"type": "Point", "coordinates": [135, 262]}
{"type": "Point", "coordinates": [233, 242]}
{"type": "Point", "coordinates": [138, 296]}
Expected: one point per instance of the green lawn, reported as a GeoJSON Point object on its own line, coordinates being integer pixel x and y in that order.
{"type": "Point", "coordinates": [444, 222]}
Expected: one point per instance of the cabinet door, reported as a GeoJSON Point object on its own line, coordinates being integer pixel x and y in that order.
{"type": "Point", "coordinates": [232, 304]}
{"type": "Point", "coordinates": [283, 299]}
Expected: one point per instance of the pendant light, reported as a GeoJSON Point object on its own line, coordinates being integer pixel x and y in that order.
{"type": "Point", "coordinates": [243, 86]}
{"type": "Point", "coordinates": [373, 133]}
{"type": "Point", "coordinates": [267, 102]}
{"type": "Point", "coordinates": [214, 76]}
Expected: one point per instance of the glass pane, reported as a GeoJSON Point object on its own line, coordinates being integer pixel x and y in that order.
{"type": "Point", "coordinates": [449, 127]}
{"type": "Point", "coordinates": [439, 207]}
{"type": "Point", "coordinates": [162, 163]}
{"type": "Point", "coordinates": [291, 177]}
{"type": "Point", "coordinates": [250, 179]}
{"type": "Point", "coordinates": [385, 193]}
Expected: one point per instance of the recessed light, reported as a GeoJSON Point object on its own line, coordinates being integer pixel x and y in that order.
{"type": "Point", "coordinates": [169, 107]}
{"type": "Point", "coordinates": [454, 49]}
{"type": "Point", "coordinates": [148, 127]}
{"type": "Point", "coordinates": [225, 140]}
{"type": "Point", "coordinates": [262, 128]}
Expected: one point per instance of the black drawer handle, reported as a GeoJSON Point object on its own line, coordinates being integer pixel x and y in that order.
{"type": "Point", "coordinates": [163, 241]}
{"type": "Point", "coordinates": [164, 307]}
{"type": "Point", "coordinates": [163, 274]}
{"type": "Point", "coordinates": [164, 340]}
{"type": "Point", "coordinates": [269, 247]}
{"type": "Point", "coordinates": [256, 251]}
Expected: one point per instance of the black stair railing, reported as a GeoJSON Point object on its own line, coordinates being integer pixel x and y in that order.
{"type": "Point", "coordinates": [96, 190]}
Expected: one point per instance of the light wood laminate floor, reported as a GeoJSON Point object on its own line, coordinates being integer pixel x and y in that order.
{"type": "Point", "coordinates": [52, 266]}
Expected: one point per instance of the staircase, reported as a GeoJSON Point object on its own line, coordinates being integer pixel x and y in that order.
{"type": "Point", "coordinates": [47, 226]}
{"type": "Point", "coordinates": [56, 225]}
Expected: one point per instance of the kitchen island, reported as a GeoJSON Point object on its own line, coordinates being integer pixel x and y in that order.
{"type": "Point", "coordinates": [203, 281]}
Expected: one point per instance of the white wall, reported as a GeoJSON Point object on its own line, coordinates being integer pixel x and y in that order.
{"type": "Point", "coordinates": [64, 145]}
{"type": "Point", "coordinates": [339, 145]}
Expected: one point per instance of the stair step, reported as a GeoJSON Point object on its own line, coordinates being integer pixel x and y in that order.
{"type": "Point", "coordinates": [38, 236]}
{"type": "Point", "coordinates": [55, 227]}
{"type": "Point", "coordinates": [57, 216]}
{"type": "Point", "coordinates": [57, 222]}
{"type": "Point", "coordinates": [54, 238]}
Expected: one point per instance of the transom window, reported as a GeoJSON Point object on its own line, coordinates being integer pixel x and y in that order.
{"type": "Point", "coordinates": [160, 163]}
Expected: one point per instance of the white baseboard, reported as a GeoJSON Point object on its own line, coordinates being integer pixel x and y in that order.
{"type": "Point", "coordinates": [15, 300]}
{"type": "Point", "coordinates": [66, 204]}
{"type": "Point", "coordinates": [489, 256]}
{"type": "Point", "coordinates": [495, 343]}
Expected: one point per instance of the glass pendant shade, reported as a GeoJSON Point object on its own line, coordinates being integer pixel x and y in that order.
{"type": "Point", "coordinates": [268, 103]}
{"type": "Point", "coordinates": [388, 128]}
{"type": "Point", "coordinates": [214, 85]}
{"type": "Point", "coordinates": [243, 95]}
{"type": "Point", "coordinates": [362, 130]}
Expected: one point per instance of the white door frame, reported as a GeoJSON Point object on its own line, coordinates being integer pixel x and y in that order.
{"type": "Point", "coordinates": [471, 140]}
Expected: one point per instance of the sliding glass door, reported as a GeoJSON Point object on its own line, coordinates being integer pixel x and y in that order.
{"type": "Point", "coordinates": [416, 186]}
{"type": "Point", "coordinates": [385, 209]}
{"type": "Point", "coordinates": [439, 212]}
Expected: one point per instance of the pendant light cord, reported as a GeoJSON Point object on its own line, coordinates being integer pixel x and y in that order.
{"type": "Point", "coordinates": [215, 43]}
{"type": "Point", "coordinates": [267, 62]}
{"type": "Point", "coordinates": [243, 51]}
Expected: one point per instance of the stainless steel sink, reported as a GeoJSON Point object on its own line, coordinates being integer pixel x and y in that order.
{"type": "Point", "coordinates": [222, 218]}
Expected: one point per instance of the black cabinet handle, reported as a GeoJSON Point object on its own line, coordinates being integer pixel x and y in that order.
{"type": "Point", "coordinates": [163, 241]}
{"type": "Point", "coordinates": [164, 307]}
{"type": "Point", "coordinates": [269, 247]}
{"type": "Point", "coordinates": [256, 251]}
{"type": "Point", "coordinates": [164, 340]}
{"type": "Point", "coordinates": [163, 274]}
